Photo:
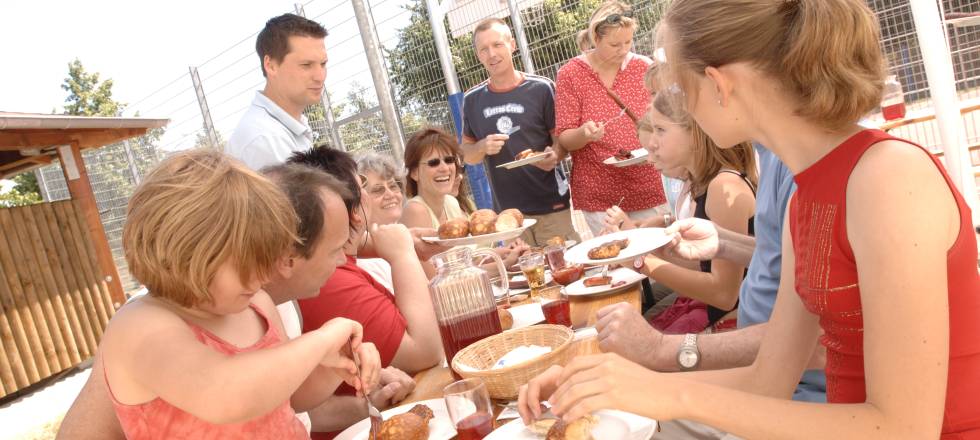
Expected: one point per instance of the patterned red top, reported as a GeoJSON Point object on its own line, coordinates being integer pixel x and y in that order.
{"type": "Point", "coordinates": [158, 419]}
{"type": "Point", "coordinates": [827, 282]}
{"type": "Point", "coordinates": [580, 96]}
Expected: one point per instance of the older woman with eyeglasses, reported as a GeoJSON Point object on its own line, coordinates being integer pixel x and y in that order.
{"type": "Point", "coordinates": [432, 161]}
{"type": "Point", "coordinates": [598, 96]}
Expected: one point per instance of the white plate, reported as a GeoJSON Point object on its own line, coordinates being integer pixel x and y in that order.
{"type": "Point", "coordinates": [483, 239]}
{"type": "Point", "coordinates": [621, 274]}
{"type": "Point", "coordinates": [440, 427]}
{"type": "Point", "coordinates": [640, 428]}
{"type": "Point", "coordinates": [642, 242]}
{"type": "Point", "coordinates": [639, 156]}
{"type": "Point", "coordinates": [526, 315]}
{"type": "Point", "coordinates": [534, 158]}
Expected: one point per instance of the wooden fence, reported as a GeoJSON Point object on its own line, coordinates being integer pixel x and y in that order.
{"type": "Point", "coordinates": [54, 301]}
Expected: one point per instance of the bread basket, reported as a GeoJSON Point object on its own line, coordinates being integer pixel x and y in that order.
{"type": "Point", "coordinates": [504, 383]}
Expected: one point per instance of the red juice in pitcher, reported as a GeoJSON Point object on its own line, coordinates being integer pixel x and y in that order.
{"type": "Point", "coordinates": [894, 111]}
{"type": "Point", "coordinates": [458, 333]}
{"type": "Point", "coordinates": [475, 426]}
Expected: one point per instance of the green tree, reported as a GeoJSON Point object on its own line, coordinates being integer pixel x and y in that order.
{"type": "Point", "coordinates": [86, 95]}
{"type": "Point", "coordinates": [24, 192]}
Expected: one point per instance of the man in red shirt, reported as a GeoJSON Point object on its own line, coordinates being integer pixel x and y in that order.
{"type": "Point", "coordinates": [402, 326]}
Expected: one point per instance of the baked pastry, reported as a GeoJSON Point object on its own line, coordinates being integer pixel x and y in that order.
{"type": "Point", "coordinates": [542, 426]}
{"type": "Point", "coordinates": [413, 425]}
{"type": "Point", "coordinates": [508, 220]}
{"type": "Point", "coordinates": [506, 319]}
{"type": "Point", "coordinates": [455, 228]}
{"type": "Point", "coordinates": [623, 154]}
{"type": "Point", "coordinates": [608, 250]}
{"type": "Point", "coordinates": [556, 241]}
{"type": "Point", "coordinates": [597, 281]}
{"type": "Point", "coordinates": [483, 222]}
{"type": "Point", "coordinates": [580, 429]}
{"type": "Point", "coordinates": [524, 154]}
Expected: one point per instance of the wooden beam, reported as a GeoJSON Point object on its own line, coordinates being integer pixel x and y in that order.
{"type": "Point", "coordinates": [25, 164]}
{"type": "Point", "coordinates": [80, 189]}
{"type": "Point", "coordinates": [18, 139]}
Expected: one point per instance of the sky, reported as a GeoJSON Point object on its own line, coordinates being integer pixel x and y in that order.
{"type": "Point", "coordinates": [146, 47]}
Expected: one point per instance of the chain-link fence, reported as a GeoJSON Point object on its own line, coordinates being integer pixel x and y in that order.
{"type": "Point", "coordinates": [230, 78]}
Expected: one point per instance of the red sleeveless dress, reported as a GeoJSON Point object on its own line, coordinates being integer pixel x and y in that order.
{"type": "Point", "coordinates": [158, 419]}
{"type": "Point", "coordinates": [827, 282]}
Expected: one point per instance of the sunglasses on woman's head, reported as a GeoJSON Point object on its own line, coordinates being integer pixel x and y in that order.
{"type": "Point", "coordinates": [617, 18]}
{"type": "Point", "coordinates": [448, 160]}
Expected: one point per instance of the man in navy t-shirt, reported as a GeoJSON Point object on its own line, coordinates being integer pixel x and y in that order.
{"type": "Point", "coordinates": [508, 113]}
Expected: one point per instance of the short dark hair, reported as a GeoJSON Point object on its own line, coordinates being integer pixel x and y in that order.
{"type": "Point", "coordinates": [302, 185]}
{"type": "Point", "coordinates": [336, 163]}
{"type": "Point", "coordinates": [273, 40]}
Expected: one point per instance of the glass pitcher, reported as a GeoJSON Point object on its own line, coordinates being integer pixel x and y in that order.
{"type": "Point", "coordinates": [463, 299]}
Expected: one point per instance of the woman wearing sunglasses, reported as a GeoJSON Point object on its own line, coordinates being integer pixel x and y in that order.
{"type": "Point", "coordinates": [597, 97]}
{"type": "Point", "coordinates": [431, 159]}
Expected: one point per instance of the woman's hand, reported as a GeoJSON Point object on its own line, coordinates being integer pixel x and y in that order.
{"type": "Point", "coordinates": [615, 220]}
{"type": "Point", "coordinates": [609, 381]}
{"type": "Point", "coordinates": [530, 395]}
{"type": "Point", "coordinates": [592, 130]}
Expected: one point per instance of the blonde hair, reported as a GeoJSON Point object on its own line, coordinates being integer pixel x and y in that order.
{"type": "Point", "coordinates": [709, 158]}
{"type": "Point", "coordinates": [825, 53]}
{"type": "Point", "coordinates": [195, 211]}
{"type": "Point", "coordinates": [599, 26]}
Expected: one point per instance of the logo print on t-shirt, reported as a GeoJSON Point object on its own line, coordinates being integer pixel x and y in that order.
{"type": "Point", "coordinates": [506, 126]}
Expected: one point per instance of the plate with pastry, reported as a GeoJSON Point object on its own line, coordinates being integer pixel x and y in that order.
{"type": "Point", "coordinates": [615, 281]}
{"type": "Point", "coordinates": [482, 227]}
{"type": "Point", "coordinates": [617, 247]}
{"type": "Point", "coordinates": [625, 158]}
{"type": "Point", "coordinates": [426, 420]}
{"type": "Point", "coordinates": [601, 425]}
{"type": "Point", "coordinates": [525, 157]}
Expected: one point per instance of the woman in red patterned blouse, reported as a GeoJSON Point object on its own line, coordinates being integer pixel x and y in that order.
{"type": "Point", "coordinates": [879, 261]}
{"type": "Point", "coordinates": [591, 125]}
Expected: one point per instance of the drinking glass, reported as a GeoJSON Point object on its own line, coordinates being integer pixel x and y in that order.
{"type": "Point", "coordinates": [469, 408]}
{"type": "Point", "coordinates": [532, 264]}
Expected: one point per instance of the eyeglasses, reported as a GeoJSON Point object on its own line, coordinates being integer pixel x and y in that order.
{"type": "Point", "coordinates": [617, 18]}
{"type": "Point", "coordinates": [448, 160]}
{"type": "Point", "coordinates": [379, 190]}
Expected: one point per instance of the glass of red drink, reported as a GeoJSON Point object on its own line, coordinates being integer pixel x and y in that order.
{"type": "Point", "coordinates": [469, 408]}
{"type": "Point", "coordinates": [556, 308]}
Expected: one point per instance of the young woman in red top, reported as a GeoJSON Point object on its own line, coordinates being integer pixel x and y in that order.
{"type": "Point", "coordinates": [591, 125]}
{"type": "Point", "coordinates": [879, 252]}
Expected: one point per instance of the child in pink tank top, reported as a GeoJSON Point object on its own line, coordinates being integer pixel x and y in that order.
{"type": "Point", "coordinates": [204, 355]}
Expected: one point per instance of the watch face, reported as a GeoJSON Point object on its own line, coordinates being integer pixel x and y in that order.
{"type": "Point", "coordinates": [687, 358]}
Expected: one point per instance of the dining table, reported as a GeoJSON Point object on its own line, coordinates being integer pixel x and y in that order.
{"type": "Point", "coordinates": [429, 384]}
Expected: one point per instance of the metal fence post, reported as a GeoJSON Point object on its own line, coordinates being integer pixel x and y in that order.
{"type": "Point", "coordinates": [131, 160]}
{"type": "Point", "coordinates": [379, 75]}
{"type": "Point", "coordinates": [202, 101]}
{"type": "Point", "coordinates": [338, 142]}
{"type": "Point", "coordinates": [515, 18]}
{"type": "Point", "coordinates": [942, 87]}
{"type": "Point", "coordinates": [477, 175]}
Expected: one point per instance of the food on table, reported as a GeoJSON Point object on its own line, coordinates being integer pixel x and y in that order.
{"type": "Point", "coordinates": [623, 154]}
{"type": "Point", "coordinates": [508, 220]}
{"type": "Point", "coordinates": [483, 222]}
{"type": "Point", "coordinates": [542, 426]}
{"type": "Point", "coordinates": [568, 275]}
{"type": "Point", "coordinates": [506, 319]}
{"type": "Point", "coordinates": [580, 429]}
{"type": "Point", "coordinates": [525, 154]}
{"type": "Point", "coordinates": [608, 250]}
{"type": "Point", "coordinates": [618, 284]}
{"type": "Point", "coordinates": [413, 425]}
{"type": "Point", "coordinates": [455, 228]}
{"type": "Point", "coordinates": [556, 241]}
{"type": "Point", "coordinates": [597, 281]}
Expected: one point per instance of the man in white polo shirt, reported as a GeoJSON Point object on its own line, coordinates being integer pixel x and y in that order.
{"type": "Point", "coordinates": [293, 57]}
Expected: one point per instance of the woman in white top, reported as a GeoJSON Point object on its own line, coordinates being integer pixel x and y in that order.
{"type": "Point", "coordinates": [432, 161]}
{"type": "Point", "coordinates": [383, 200]}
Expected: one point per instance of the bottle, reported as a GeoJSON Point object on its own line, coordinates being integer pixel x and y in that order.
{"type": "Point", "coordinates": [893, 99]}
{"type": "Point", "coordinates": [463, 299]}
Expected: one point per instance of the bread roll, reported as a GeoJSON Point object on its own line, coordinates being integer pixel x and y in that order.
{"type": "Point", "coordinates": [556, 241]}
{"type": "Point", "coordinates": [483, 222]}
{"type": "Point", "coordinates": [455, 228]}
{"type": "Point", "coordinates": [506, 319]}
{"type": "Point", "coordinates": [509, 220]}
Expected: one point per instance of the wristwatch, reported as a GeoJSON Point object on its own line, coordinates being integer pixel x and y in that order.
{"type": "Point", "coordinates": [688, 355]}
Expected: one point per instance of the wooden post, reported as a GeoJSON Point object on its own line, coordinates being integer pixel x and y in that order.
{"type": "Point", "coordinates": [80, 188]}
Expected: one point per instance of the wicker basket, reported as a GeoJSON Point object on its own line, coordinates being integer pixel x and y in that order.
{"type": "Point", "coordinates": [504, 383]}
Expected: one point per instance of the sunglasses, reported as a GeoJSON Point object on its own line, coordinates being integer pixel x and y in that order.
{"type": "Point", "coordinates": [448, 160]}
{"type": "Point", "coordinates": [617, 18]}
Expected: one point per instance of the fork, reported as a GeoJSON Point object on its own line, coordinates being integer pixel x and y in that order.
{"type": "Point", "coordinates": [621, 113]}
{"type": "Point", "coordinates": [373, 414]}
